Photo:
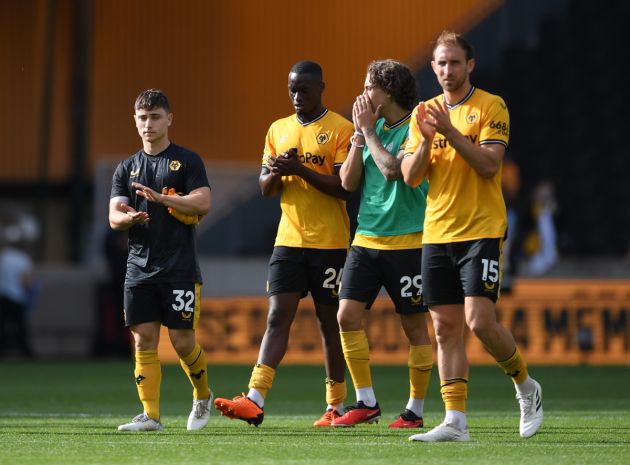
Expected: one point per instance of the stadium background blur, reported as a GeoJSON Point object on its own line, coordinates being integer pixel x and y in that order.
{"type": "Point", "coordinates": [72, 68]}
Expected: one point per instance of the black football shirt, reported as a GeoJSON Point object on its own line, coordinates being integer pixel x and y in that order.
{"type": "Point", "coordinates": [164, 249]}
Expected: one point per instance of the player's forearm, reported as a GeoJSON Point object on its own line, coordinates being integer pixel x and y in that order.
{"type": "Point", "coordinates": [352, 169]}
{"type": "Point", "coordinates": [480, 158]}
{"type": "Point", "coordinates": [328, 184]}
{"type": "Point", "coordinates": [415, 167]}
{"type": "Point", "coordinates": [120, 221]}
{"type": "Point", "coordinates": [270, 184]}
{"type": "Point", "coordinates": [197, 202]}
{"type": "Point", "coordinates": [388, 165]}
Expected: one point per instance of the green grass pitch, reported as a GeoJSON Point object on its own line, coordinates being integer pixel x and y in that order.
{"type": "Point", "coordinates": [67, 413]}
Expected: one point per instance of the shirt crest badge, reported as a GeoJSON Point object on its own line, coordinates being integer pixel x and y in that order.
{"type": "Point", "coordinates": [322, 138]}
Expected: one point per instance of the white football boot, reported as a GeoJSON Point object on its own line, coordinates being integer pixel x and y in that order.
{"type": "Point", "coordinates": [531, 411]}
{"type": "Point", "coordinates": [200, 414]}
{"type": "Point", "coordinates": [142, 422]}
{"type": "Point", "coordinates": [441, 433]}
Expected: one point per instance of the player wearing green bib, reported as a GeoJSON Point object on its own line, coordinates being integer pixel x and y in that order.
{"type": "Point", "coordinates": [404, 206]}
{"type": "Point", "coordinates": [387, 248]}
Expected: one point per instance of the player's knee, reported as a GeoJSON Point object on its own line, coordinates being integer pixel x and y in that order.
{"type": "Point", "coordinates": [446, 332]}
{"type": "Point", "coordinates": [278, 318]}
{"type": "Point", "coordinates": [144, 346]}
{"type": "Point", "coordinates": [348, 321]}
{"type": "Point", "coordinates": [327, 313]}
{"type": "Point", "coordinates": [145, 340]}
{"type": "Point", "coordinates": [182, 348]}
{"type": "Point", "coordinates": [328, 325]}
{"type": "Point", "coordinates": [415, 325]}
{"type": "Point", "coordinates": [481, 329]}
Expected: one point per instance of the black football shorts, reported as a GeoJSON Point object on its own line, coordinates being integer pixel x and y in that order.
{"type": "Point", "coordinates": [175, 305]}
{"type": "Point", "coordinates": [318, 271]}
{"type": "Point", "coordinates": [461, 269]}
{"type": "Point", "coordinates": [399, 271]}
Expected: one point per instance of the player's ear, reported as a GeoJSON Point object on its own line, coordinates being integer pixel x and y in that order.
{"type": "Point", "coordinates": [170, 118]}
{"type": "Point", "coordinates": [470, 65]}
{"type": "Point", "coordinates": [433, 67]}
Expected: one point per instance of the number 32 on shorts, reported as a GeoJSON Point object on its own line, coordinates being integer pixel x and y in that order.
{"type": "Point", "coordinates": [184, 300]}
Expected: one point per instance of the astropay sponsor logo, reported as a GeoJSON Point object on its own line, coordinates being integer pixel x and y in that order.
{"type": "Point", "coordinates": [308, 157]}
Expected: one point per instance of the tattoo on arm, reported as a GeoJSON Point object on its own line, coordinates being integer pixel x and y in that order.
{"type": "Point", "coordinates": [386, 162]}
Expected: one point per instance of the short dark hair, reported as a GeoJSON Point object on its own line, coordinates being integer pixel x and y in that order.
{"type": "Point", "coordinates": [453, 38]}
{"type": "Point", "coordinates": [150, 99]}
{"type": "Point", "coordinates": [307, 67]}
{"type": "Point", "coordinates": [395, 79]}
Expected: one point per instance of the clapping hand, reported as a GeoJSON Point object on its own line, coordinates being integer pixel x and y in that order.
{"type": "Point", "coordinates": [440, 118]}
{"type": "Point", "coordinates": [135, 217]}
{"type": "Point", "coordinates": [286, 164]}
{"type": "Point", "coordinates": [147, 192]}
{"type": "Point", "coordinates": [427, 129]}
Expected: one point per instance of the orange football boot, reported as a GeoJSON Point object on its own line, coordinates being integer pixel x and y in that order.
{"type": "Point", "coordinates": [327, 418]}
{"type": "Point", "coordinates": [240, 407]}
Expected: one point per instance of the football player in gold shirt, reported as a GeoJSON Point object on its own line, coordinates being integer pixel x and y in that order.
{"type": "Point", "coordinates": [458, 140]}
{"type": "Point", "coordinates": [302, 157]}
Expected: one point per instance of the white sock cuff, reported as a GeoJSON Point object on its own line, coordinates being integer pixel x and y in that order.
{"type": "Point", "coordinates": [416, 406]}
{"type": "Point", "coordinates": [457, 419]}
{"type": "Point", "coordinates": [340, 408]}
{"type": "Point", "coordinates": [366, 395]}
{"type": "Point", "coordinates": [526, 387]}
{"type": "Point", "coordinates": [257, 397]}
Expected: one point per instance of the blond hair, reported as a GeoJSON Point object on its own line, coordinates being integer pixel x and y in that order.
{"type": "Point", "coordinates": [450, 39]}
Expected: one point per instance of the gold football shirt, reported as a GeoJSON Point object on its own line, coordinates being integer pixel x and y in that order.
{"type": "Point", "coordinates": [310, 218]}
{"type": "Point", "coordinates": [461, 204]}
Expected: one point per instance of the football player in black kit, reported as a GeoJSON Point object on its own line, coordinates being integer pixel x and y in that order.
{"type": "Point", "coordinates": [159, 195]}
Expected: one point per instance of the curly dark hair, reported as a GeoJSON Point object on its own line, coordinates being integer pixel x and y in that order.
{"type": "Point", "coordinates": [150, 99]}
{"type": "Point", "coordinates": [395, 79]}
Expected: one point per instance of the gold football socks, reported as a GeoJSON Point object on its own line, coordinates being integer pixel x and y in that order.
{"type": "Point", "coordinates": [196, 368]}
{"type": "Point", "coordinates": [515, 367]}
{"type": "Point", "coordinates": [262, 379]}
{"type": "Point", "coordinates": [454, 393]}
{"type": "Point", "coordinates": [356, 351]}
{"type": "Point", "coordinates": [420, 363]}
{"type": "Point", "coordinates": [335, 392]}
{"type": "Point", "coordinates": [148, 376]}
